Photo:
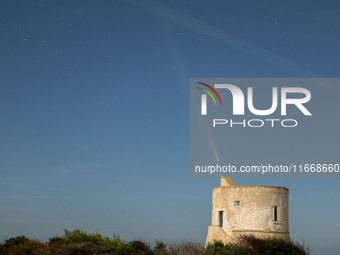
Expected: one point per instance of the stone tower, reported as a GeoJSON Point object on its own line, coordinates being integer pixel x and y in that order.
{"type": "Point", "coordinates": [248, 209]}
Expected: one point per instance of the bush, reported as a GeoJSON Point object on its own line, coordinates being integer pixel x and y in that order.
{"type": "Point", "coordinates": [254, 244]}
{"type": "Point", "coordinates": [219, 248]}
{"type": "Point", "coordinates": [15, 241]}
{"type": "Point", "coordinates": [86, 249]}
{"type": "Point", "coordinates": [104, 244]}
{"type": "Point", "coordinates": [20, 245]}
{"type": "Point", "coordinates": [78, 242]}
{"type": "Point", "coordinates": [139, 247]}
{"type": "Point", "coordinates": [160, 248]}
{"type": "Point", "coordinates": [249, 244]}
{"type": "Point", "coordinates": [282, 247]}
{"type": "Point", "coordinates": [57, 240]}
{"type": "Point", "coordinates": [187, 248]}
{"type": "Point", "coordinates": [79, 236]}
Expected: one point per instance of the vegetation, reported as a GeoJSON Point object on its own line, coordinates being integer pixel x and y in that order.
{"type": "Point", "coordinates": [249, 244]}
{"type": "Point", "coordinates": [78, 242]}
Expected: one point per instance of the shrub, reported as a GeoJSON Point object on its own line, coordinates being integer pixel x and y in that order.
{"type": "Point", "coordinates": [15, 241]}
{"type": "Point", "coordinates": [219, 248]}
{"type": "Point", "coordinates": [57, 240]}
{"type": "Point", "coordinates": [249, 244]}
{"type": "Point", "coordinates": [115, 244]}
{"type": "Point", "coordinates": [86, 249]}
{"type": "Point", "coordinates": [187, 248]}
{"type": "Point", "coordinates": [139, 247]}
{"type": "Point", "coordinates": [282, 247]}
{"type": "Point", "coordinates": [116, 241]}
{"type": "Point", "coordinates": [78, 242]}
{"type": "Point", "coordinates": [254, 244]}
{"type": "Point", "coordinates": [20, 245]}
{"type": "Point", "coordinates": [79, 236]}
{"type": "Point", "coordinates": [160, 248]}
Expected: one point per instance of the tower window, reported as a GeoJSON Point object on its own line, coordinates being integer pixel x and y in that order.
{"type": "Point", "coordinates": [276, 216]}
{"type": "Point", "coordinates": [237, 203]}
{"type": "Point", "coordinates": [221, 218]}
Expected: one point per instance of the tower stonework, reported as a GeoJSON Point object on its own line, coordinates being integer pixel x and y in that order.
{"type": "Point", "coordinates": [248, 209]}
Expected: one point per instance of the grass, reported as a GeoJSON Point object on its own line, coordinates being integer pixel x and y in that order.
{"type": "Point", "coordinates": [78, 242]}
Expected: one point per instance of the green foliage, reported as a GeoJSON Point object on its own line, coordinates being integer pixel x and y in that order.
{"type": "Point", "coordinates": [139, 247]}
{"type": "Point", "coordinates": [20, 245]}
{"type": "Point", "coordinates": [119, 244]}
{"type": "Point", "coordinates": [249, 244]}
{"type": "Point", "coordinates": [219, 248]}
{"type": "Point", "coordinates": [15, 241]}
{"type": "Point", "coordinates": [79, 236]}
{"type": "Point", "coordinates": [160, 248]}
{"type": "Point", "coordinates": [78, 242]}
{"type": "Point", "coordinates": [57, 240]}
{"type": "Point", "coordinates": [282, 247]}
{"type": "Point", "coordinates": [116, 241]}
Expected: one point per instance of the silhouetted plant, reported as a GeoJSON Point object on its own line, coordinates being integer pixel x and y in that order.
{"type": "Point", "coordinates": [139, 247]}
{"type": "Point", "coordinates": [57, 240]}
{"type": "Point", "coordinates": [15, 241]}
{"type": "Point", "coordinates": [160, 248]}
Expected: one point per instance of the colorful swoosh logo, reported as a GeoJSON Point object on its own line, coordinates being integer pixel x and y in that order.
{"type": "Point", "coordinates": [208, 92]}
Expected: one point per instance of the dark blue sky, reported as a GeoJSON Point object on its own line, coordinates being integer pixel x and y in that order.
{"type": "Point", "coordinates": [94, 111]}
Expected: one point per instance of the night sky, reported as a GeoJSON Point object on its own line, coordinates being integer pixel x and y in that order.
{"type": "Point", "coordinates": [94, 111]}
